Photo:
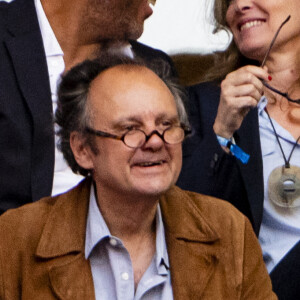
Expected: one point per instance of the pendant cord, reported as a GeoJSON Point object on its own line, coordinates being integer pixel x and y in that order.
{"type": "Point", "coordinates": [286, 161]}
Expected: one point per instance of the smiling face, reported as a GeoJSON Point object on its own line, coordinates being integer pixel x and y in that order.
{"type": "Point", "coordinates": [255, 22]}
{"type": "Point", "coordinates": [123, 98]}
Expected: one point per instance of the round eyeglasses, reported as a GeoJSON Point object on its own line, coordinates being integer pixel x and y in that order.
{"type": "Point", "coordinates": [136, 138]}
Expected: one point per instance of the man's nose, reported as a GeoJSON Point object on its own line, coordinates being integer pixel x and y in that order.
{"type": "Point", "coordinates": [154, 140]}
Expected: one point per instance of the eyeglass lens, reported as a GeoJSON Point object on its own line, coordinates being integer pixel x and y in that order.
{"type": "Point", "coordinates": [136, 138]}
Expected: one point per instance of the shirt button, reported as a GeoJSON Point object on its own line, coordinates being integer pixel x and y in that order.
{"type": "Point", "coordinates": [125, 276]}
{"type": "Point", "coordinates": [113, 242]}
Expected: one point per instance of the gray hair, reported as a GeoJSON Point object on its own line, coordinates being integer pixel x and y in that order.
{"type": "Point", "coordinates": [73, 112]}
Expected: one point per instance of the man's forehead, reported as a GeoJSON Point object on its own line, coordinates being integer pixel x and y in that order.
{"type": "Point", "coordinates": [141, 118]}
{"type": "Point", "coordinates": [125, 71]}
{"type": "Point", "coordinates": [129, 92]}
{"type": "Point", "coordinates": [125, 79]}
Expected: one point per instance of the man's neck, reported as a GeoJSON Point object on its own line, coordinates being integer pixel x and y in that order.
{"type": "Point", "coordinates": [128, 219]}
{"type": "Point", "coordinates": [65, 22]}
{"type": "Point", "coordinates": [134, 222]}
{"type": "Point", "coordinates": [68, 24]}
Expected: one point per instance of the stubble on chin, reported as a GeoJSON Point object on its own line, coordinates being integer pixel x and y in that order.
{"type": "Point", "coordinates": [107, 21]}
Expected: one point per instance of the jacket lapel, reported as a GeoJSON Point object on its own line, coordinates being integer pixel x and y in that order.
{"type": "Point", "coordinates": [247, 137]}
{"type": "Point", "coordinates": [192, 265]}
{"type": "Point", "coordinates": [192, 246]}
{"type": "Point", "coordinates": [73, 280]}
{"type": "Point", "coordinates": [62, 244]}
{"type": "Point", "coordinates": [25, 46]}
{"type": "Point", "coordinates": [31, 69]}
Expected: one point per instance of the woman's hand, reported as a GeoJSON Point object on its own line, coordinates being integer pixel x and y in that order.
{"type": "Point", "coordinates": [240, 91]}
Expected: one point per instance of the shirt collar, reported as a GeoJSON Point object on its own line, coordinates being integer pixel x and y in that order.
{"type": "Point", "coordinates": [262, 104]}
{"type": "Point", "coordinates": [264, 121]}
{"type": "Point", "coordinates": [266, 131]}
{"type": "Point", "coordinates": [97, 230]}
{"type": "Point", "coordinates": [125, 49]}
{"type": "Point", "coordinates": [162, 258]}
{"type": "Point", "coordinates": [51, 45]}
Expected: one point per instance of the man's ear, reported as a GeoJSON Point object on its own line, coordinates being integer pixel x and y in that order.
{"type": "Point", "coordinates": [81, 151]}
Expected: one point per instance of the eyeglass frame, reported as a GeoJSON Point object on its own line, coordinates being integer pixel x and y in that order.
{"type": "Point", "coordinates": [186, 129]}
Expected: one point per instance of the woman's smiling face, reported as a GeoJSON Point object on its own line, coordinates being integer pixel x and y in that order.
{"type": "Point", "coordinates": [255, 22]}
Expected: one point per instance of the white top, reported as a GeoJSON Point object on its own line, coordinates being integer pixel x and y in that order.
{"type": "Point", "coordinates": [64, 178]}
{"type": "Point", "coordinates": [280, 229]}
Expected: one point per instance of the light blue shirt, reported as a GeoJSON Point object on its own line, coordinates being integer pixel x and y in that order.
{"type": "Point", "coordinates": [111, 264]}
{"type": "Point", "coordinates": [280, 229]}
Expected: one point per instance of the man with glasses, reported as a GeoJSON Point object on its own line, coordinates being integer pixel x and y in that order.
{"type": "Point", "coordinates": [126, 232]}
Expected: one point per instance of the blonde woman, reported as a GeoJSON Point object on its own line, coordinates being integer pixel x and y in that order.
{"type": "Point", "coordinates": [246, 118]}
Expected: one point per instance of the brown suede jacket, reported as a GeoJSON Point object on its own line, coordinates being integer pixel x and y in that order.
{"type": "Point", "coordinates": [213, 251]}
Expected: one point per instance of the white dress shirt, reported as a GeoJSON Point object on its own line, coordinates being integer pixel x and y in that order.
{"type": "Point", "coordinates": [64, 178]}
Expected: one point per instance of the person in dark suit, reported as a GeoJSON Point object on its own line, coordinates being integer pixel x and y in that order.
{"type": "Point", "coordinates": [39, 40]}
{"type": "Point", "coordinates": [240, 110]}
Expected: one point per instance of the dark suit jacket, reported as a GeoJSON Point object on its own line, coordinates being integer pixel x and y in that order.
{"type": "Point", "coordinates": [212, 249]}
{"type": "Point", "coordinates": [26, 121]}
{"type": "Point", "coordinates": [208, 169]}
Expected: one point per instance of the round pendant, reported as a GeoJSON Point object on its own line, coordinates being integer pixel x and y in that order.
{"type": "Point", "coordinates": [284, 186]}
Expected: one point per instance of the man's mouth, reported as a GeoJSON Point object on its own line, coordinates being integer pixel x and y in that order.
{"type": "Point", "coordinates": [149, 163]}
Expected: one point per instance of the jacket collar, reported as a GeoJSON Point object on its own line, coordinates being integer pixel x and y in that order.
{"type": "Point", "coordinates": [192, 244]}
{"type": "Point", "coordinates": [69, 211]}
{"type": "Point", "coordinates": [191, 241]}
{"type": "Point", "coordinates": [25, 45]}
{"type": "Point", "coordinates": [248, 138]}
{"type": "Point", "coordinates": [69, 271]}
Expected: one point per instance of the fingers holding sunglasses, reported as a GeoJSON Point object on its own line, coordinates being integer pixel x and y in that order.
{"type": "Point", "coordinates": [240, 91]}
{"type": "Point", "coordinates": [248, 75]}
